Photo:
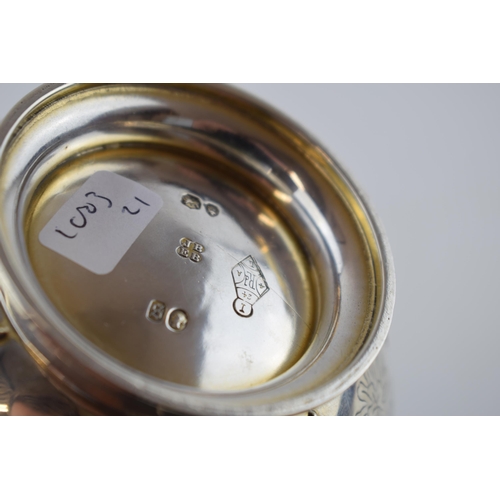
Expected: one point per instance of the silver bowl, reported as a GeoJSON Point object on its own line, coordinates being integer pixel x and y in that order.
{"type": "Point", "coordinates": [185, 249]}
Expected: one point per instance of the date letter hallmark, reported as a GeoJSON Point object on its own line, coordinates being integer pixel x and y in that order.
{"type": "Point", "coordinates": [190, 250]}
{"type": "Point", "coordinates": [250, 285]}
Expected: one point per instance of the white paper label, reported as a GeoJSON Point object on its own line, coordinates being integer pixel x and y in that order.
{"type": "Point", "coordinates": [101, 221]}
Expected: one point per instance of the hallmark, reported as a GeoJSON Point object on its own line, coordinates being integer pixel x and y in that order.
{"type": "Point", "coordinates": [190, 250]}
{"type": "Point", "coordinates": [250, 285]}
{"type": "Point", "coordinates": [156, 311]}
{"type": "Point", "coordinates": [212, 210]}
{"type": "Point", "coordinates": [191, 201]}
{"type": "Point", "coordinates": [177, 320]}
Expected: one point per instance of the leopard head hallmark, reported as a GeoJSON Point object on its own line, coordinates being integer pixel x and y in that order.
{"type": "Point", "coordinates": [250, 285]}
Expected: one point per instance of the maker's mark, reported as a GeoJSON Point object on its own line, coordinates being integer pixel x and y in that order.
{"type": "Point", "coordinates": [190, 250]}
{"type": "Point", "coordinates": [250, 285]}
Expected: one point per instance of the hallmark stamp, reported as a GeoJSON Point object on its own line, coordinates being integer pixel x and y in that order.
{"type": "Point", "coordinates": [190, 250]}
{"type": "Point", "coordinates": [191, 201]}
{"type": "Point", "coordinates": [212, 210]}
{"type": "Point", "coordinates": [177, 320]}
{"type": "Point", "coordinates": [156, 311]}
{"type": "Point", "coordinates": [250, 285]}
{"type": "Point", "coordinates": [194, 203]}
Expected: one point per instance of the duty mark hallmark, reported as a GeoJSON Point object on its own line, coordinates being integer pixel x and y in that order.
{"type": "Point", "coordinates": [212, 210]}
{"type": "Point", "coordinates": [177, 320]}
{"type": "Point", "coordinates": [250, 285]}
{"type": "Point", "coordinates": [190, 250]}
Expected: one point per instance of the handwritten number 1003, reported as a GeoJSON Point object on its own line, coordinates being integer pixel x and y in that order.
{"type": "Point", "coordinates": [80, 221]}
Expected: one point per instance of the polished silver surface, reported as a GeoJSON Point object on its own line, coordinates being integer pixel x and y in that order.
{"type": "Point", "coordinates": [24, 391]}
{"type": "Point", "coordinates": [262, 286]}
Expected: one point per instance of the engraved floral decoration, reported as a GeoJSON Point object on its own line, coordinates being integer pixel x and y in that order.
{"type": "Point", "coordinates": [372, 392]}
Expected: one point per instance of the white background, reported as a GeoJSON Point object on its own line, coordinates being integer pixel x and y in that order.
{"type": "Point", "coordinates": [428, 158]}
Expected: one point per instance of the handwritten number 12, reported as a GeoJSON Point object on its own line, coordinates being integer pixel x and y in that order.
{"type": "Point", "coordinates": [138, 210]}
